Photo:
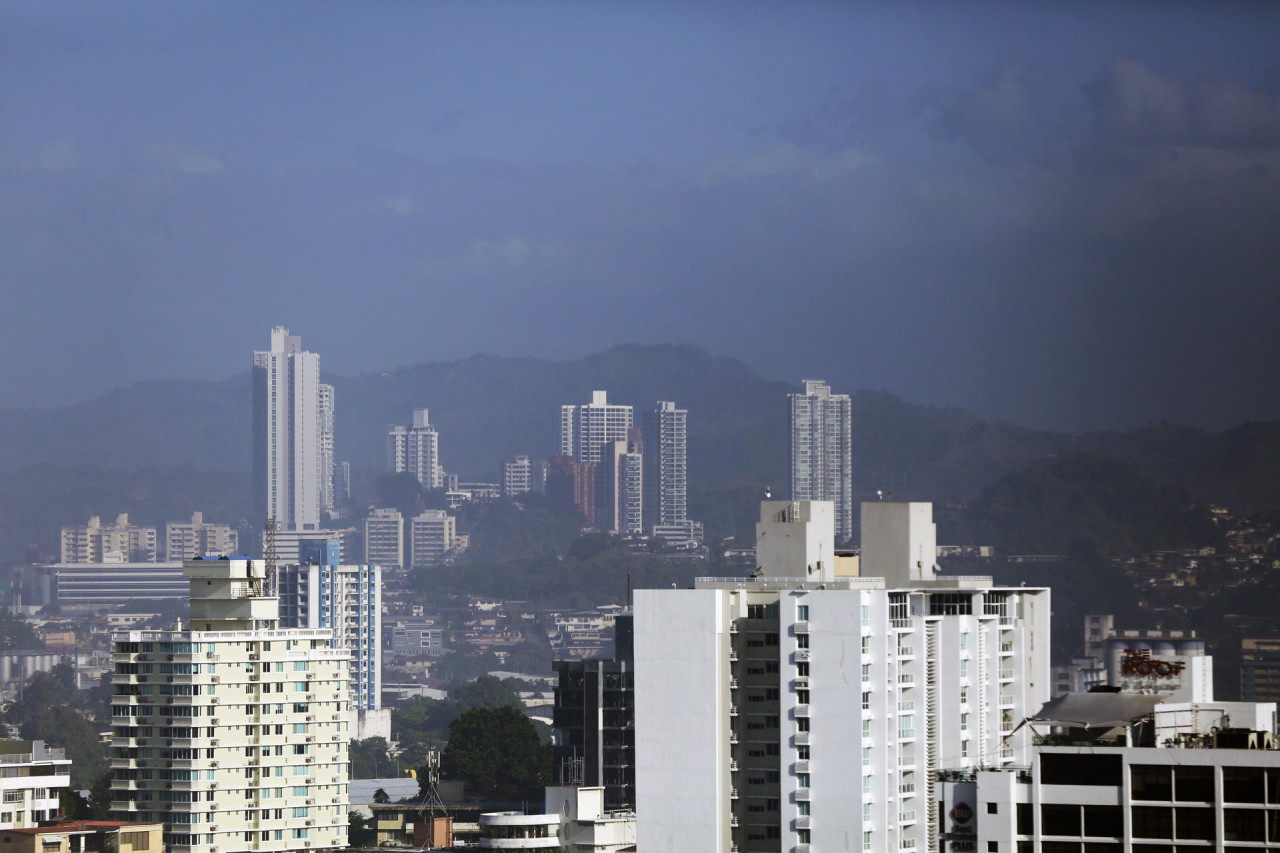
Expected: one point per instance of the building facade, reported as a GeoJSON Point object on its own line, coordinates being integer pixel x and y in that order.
{"type": "Point", "coordinates": [121, 542]}
{"type": "Point", "coordinates": [522, 475]}
{"type": "Point", "coordinates": [288, 472]}
{"type": "Point", "coordinates": [186, 541]}
{"type": "Point", "coordinates": [1260, 669]}
{"type": "Point", "coordinates": [231, 731]}
{"type": "Point", "coordinates": [384, 538]}
{"type": "Point", "coordinates": [821, 451]}
{"type": "Point", "coordinates": [799, 710]}
{"type": "Point", "coordinates": [664, 431]}
{"type": "Point", "coordinates": [587, 433]}
{"type": "Point", "coordinates": [321, 592]}
{"type": "Point", "coordinates": [33, 777]}
{"type": "Point", "coordinates": [1129, 782]}
{"type": "Point", "coordinates": [625, 486]}
{"type": "Point", "coordinates": [327, 486]}
{"type": "Point", "coordinates": [82, 587]}
{"type": "Point", "coordinates": [571, 485]}
{"type": "Point", "coordinates": [433, 535]}
{"type": "Point", "coordinates": [415, 449]}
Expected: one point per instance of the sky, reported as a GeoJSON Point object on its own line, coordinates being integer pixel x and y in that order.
{"type": "Point", "coordinates": [1059, 215]}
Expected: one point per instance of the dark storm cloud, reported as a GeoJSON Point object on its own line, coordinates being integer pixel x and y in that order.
{"type": "Point", "coordinates": [998, 117]}
{"type": "Point", "coordinates": [1136, 105]}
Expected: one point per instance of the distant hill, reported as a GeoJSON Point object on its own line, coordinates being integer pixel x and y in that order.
{"type": "Point", "coordinates": [489, 408]}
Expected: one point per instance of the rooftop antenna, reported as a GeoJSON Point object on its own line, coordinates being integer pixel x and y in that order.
{"type": "Point", "coordinates": [269, 553]}
{"type": "Point", "coordinates": [571, 770]}
{"type": "Point", "coordinates": [879, 495]}
{"type": "Point", "coordinates": [431, 801]}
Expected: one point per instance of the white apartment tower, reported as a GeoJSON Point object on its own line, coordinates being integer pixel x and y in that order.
{"type": "Point", "coordinates": [231, 731]}
{"type": "Point", "coordinates": [188, 540]}
{"type": "Point", "coordinates": [664, 431]}
{"type": "Point", "coordinates": [625, 487]}
{"type": "Point", "coordinates": [586, 429]}
{"type": "Point", "coordinates": [326, 447]}
{"type": "Point", "coordinates": [415, 449]}
{"type": "Point", "coordinates": [821, 451]}
{"type": "Point", "coordinates": [320, 592]}
{"type": "Point", "coordinates": [384, 538]}
{"type": "Point", "coordinates": [588, 433]}
{"type": "Point", "coordinates": [522, 475]}
{"type": "Point", "coordinates": [432, 534]}
{"type": "Point", "coordinates": [801, 710]}
{"type": "Point", "coordinates": [287, 464]}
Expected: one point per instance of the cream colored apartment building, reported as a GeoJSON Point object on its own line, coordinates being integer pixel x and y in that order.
{"type": "Point", "coordinates": [232, 731]}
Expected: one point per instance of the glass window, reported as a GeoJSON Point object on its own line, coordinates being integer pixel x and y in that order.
{"type": "Point", "coordinates": [1243, 784]}
{"type": "Point", "coordinates": [1151, 782]}
{"type": "Point", "coordinates": [1104, 821]}
{"type": "Point", "coordinates": [1243, 825]}
{"type": "Point", "coordinates": [802, 613]}
{"type": "Point", "coordinates": [1152, 822]}
{"type": "Point", "coordinates": [1060, 819]}
{"type": "Point", "coordinates": [1193, 784]}
{"type": "Point", "coordinates": [1195, 824]}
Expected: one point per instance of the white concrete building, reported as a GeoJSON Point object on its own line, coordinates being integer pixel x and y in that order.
{"type": "Point", "coordinates": [233, 731]}
{"type": "Point", "coordinates": [587, 433]}
{"type": "Point", "coordinates": [326, 449]}
{"type": "Point", "coordinates": [384, 538]}
{"type": "Point", "coordinates": [321, 592]}
{"type": "Point", "coordinates": [522, 475]}
{"type": "Point", "coordinates": [31, 778]}
{"type": "Point", "coordinates": [805, 711]}
{"type": "Point", "coordinates": [664, 431]}
{"type": "Point", "coordinates": [574, 821]}
{"type": "Point", "coordinates": [102, 543]}
{"type": "Point", "coordinates": [188, 540]}
{"type": "Point", "coordinates": [821, 451]}
{"type": "Point", "coordinates": [433, 535]}
{"type": "Point", "coordinates": [625, 487]}
{"type": "Point", "coordinates": [1126, 773]}
{"type": "Point", "coordinates": [288, 473]}
{"type": "Point", "coordinates": [415, 449]}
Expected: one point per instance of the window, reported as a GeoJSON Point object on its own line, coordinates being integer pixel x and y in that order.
{"type": "Point", "coordinates": [964, 669]}
{"type": "Point", "coordinates": [802, 724]}
{"type": "Point", "coordinates": [964, 640]}
{"type": "Point", "coordinates": [802, 641]}
{"type": "Point", "coordinates": [866, 645]}
{"type": "Point", "coordinates": [802, 613]}
{"type": "Point", "coordinates": [1105, 770]}
{"type": "Point", "coordinates": [1193, 784]}
{"type": "Point", "coordinates": [802, 780]}
{"type": "Point", "coordinates": [866, 672]}
{"type": "Point", "coordinates": [1104, 821]}
{"type": "Point", "coordinates": [866, 614]}
{"type": "Point", "coordinates": [1243, 785]}
{"type": "Point", "coordinates": [964, 695]}
{"type": "Point", "coordinates": [866, 756]}
{"type": "Point", "coordinates": [964, 723]}
{"type": "Point", "coordinates": [802, 669]}
{"type": "Point", "coordinates": [1152, 822]}
{"type": "Point", "coordinates": [802, 807]}
{"type": "Point", "coordinates": [1060, 819]}
{"type": "Point", "coordinates": [1151, 782]}
{"type": "Point", "coordinates": [993, 808]}
{"type": "Point", "coordinates": [866, 700]}
{"type": "Point", "coordinates": [802, 751]}
{"type": "Point", "coordinates": [802, 696]}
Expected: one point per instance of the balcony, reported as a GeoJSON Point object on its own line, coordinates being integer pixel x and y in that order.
{"type": "Point", "coordinates": [802, 795]}
{"type": "Point", "coordinates": [801, 654]}
{"type": "Point", "coordinates": [800, 766]}
{"type": "Point", "coordinates": [800, 627]}
{"type": "Point", "coordinates": [801, 738]}
{"type": "Point", "coordinates": [802, 821]}
{"type": "Point", "coordinates": [802, 710]}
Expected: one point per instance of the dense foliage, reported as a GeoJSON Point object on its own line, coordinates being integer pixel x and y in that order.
{"type": "Point", "coordinates": [498, 753]}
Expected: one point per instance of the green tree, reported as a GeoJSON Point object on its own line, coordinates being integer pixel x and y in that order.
{"type": "Point", "coordinates": [498, 753]}
{"type": "Point", "coordinates": [369, 758]}
{"type": "Point", "coordinates": [360, 832]}
{"type": "Point", "coordinates": [381, 796]}
{"type": "Point", "coordinates": [486, 691]}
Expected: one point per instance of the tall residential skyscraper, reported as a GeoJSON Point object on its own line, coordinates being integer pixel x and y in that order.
{"type": "Point", "coordinates": [320, 592]}
{"type": "Point", "coordinates": [326, 447]}
{"type": "Point", "coordinates": [805, 708]}
{"type": "Point", "coordinates": [821, 451]}
{"type": "Point", "coordinates": [287, 469]}
{"type": "Point", "coordinates": [415, 449]}
{"type": "Point", "coordinates": [232, 731]}
{"type": "Point", "coordinates": [624, 467]}
{"type": "Point", "coordinates": [664, 433]}
{"type": "Point", "coordinates": [587, 433]}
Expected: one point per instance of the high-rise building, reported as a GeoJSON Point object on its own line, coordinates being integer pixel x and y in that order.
{"type": "Point", "coordinates": [624, 485]}
{"type": "Point", "coordinates": [664, 432]}
{"type": "Point", "coordinates": [320, 592]}
{"type": "Point", "coordinates": [821, 451]}
{"type": "Point", "coordinates": [804, 709]}
{"type": "Point", "coordinates": [186, 541]}
{"type": "Point", "coordinates": [384, 538]}
{"type": "Point", "coordinates": [121, 542]}
{"type": "Point", "coordinates": [415, 449]}
{"type": "Point", "coordinates": [587, 433]}
{"type": "Point", "coordinates": [287, 465]}
{"type": "Point", "coordinates": [595, 718]}
{"type": "Point", "coordinates": [521, 475]}
{"type": "Point", "coordinates": [342, 482]}
{"type": "Point", "coordinates": [586, 429]}
{"type": "Point", "coordinates": [326, 447]}
{"type": "Point", "coordinates": [432, 536]}
{"type": "Point", "coordinates": [232, 731]}
{"type": "Point", "coordinates": [572, 485]}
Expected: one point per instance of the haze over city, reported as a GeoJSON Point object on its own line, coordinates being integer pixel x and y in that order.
{"type": "Point", "coordinates": [1061, 215]}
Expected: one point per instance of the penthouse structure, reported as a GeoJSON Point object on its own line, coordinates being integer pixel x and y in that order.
{"type": "Point", "coordinates": [231, 731]}
{"type": "Point", "coordinates": [803, 709]}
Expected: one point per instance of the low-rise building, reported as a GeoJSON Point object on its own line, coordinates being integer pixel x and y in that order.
{"type": "Point", "coordinates": [31, 778]}
{"type": "Point", "coordinates": [574, 821]}
{"type": "Point", "coordinates": [85, 836]}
